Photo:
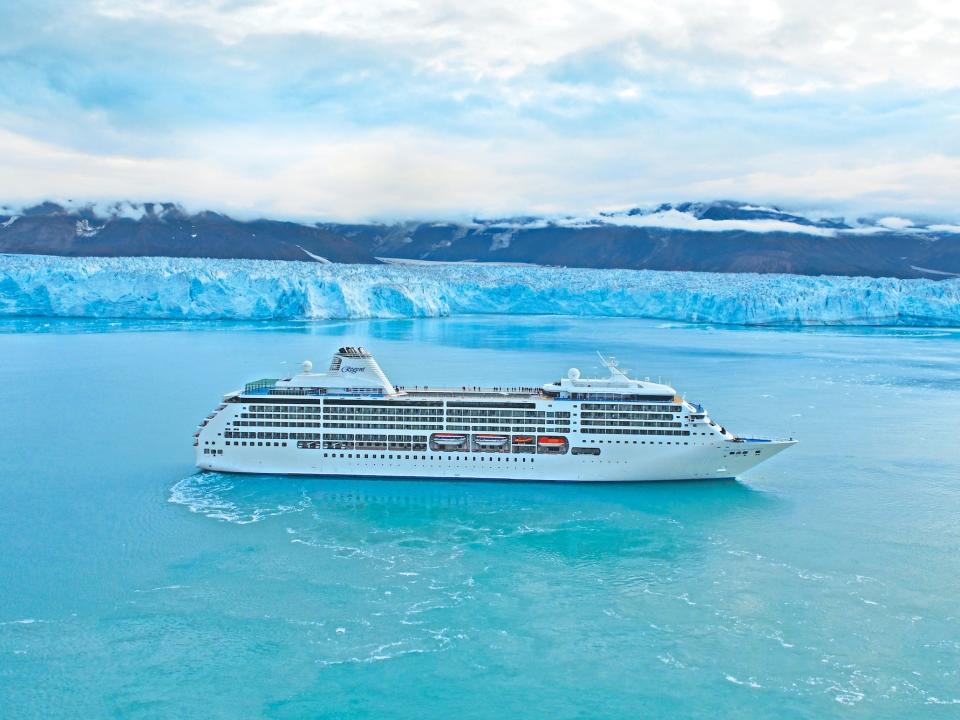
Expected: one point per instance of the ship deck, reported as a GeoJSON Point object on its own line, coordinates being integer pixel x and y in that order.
{"type": "Point", "coordinates": [472, 393]}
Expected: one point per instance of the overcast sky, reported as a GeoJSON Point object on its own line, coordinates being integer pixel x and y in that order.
{"type": "Point", "coordinates": [397, 108]}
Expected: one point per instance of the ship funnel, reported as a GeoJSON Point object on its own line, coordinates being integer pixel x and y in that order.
{"type": "Point", "coordinates": [359, 363]}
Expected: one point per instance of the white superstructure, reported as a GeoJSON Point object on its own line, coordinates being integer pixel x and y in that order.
{"type": "Point", "coordinates": [351, 420]}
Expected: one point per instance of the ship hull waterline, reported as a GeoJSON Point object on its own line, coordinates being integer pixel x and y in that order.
{"type": "Point", "coordinates": [668, 464]}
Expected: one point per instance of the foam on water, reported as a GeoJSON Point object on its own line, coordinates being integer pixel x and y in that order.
{"type": "Point", "coordinates": [217, 496]}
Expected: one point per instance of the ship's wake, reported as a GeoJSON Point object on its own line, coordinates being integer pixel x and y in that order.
{"type": "Point", "coordinates": [219, 496]}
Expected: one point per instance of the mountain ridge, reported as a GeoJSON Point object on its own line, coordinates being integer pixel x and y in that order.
{"type": "Point", "coordinates": [719, 236]}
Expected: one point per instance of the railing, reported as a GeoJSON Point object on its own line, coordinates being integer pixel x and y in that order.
{"type": "Point", "coordinates": [472, 390]}
{"type": "Point", "coordinates": [301, 391]}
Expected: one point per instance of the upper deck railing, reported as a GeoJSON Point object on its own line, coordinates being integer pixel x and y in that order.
{"type": "Point", "coordinates": [471, 391]}
{"type": "Point", "coordinates": [267, 386]}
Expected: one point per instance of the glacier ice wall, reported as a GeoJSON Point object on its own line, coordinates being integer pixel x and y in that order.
{"type": "Point", "coordinates": [258, 289]}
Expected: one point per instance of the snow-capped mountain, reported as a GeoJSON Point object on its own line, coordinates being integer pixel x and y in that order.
{"type": "Point", "coordinates": [724, 236]}
{"type": "Point", "coordinates": [165, 229]}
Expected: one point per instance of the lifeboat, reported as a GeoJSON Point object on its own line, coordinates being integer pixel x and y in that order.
{"type": "Point", "coordinates": [490, 440]}
{"type": "Point", "coordinates": [523, 439]}
{"type": "Point", "coordinates": [449, 439]}
{"type": "Point", "coordinates": [552, 441]}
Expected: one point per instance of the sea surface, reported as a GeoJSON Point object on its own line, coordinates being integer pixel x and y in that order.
{"type": "Point", "coordinates": [825, 583]}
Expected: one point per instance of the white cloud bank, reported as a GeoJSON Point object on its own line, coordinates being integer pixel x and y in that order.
{"type": "Point", "coordinates": [676, 220]}
{"type": "Point", "coordinates": [769, 47]}
{"type": "Point", "coordinates": [405, 174]}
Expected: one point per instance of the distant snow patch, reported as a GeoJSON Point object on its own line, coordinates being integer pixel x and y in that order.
{"type": "Point", "coordinates": [473, 262]}
{"type": "Point", "coordinates": [85, 229]}
{"type": "Point", "coordinates": [318, 258]}
{"type": "Point", "coordinates": [760, 208]}
{"type": "Point", "coordinates": [501, 241]}
{"type": "Point", "coordinates": [867, 230]}
{"type": "Point", "coordinates": [11, 221]}
{"type": "Point", "coordinates": [934, 272]}
{"type": "Point", "coordinates": [528, 224]}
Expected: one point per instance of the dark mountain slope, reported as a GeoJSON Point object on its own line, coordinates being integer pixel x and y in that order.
{"type": "Point", "coordinates": [716, 237]}
{"type": "Point", "coordinates": [166, 230]}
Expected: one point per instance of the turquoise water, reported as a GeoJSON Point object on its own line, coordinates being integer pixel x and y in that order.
{"type": "Point", "coordinates": [826, 583]}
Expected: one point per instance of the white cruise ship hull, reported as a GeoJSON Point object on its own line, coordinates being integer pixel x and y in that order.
{"type": "Point", "coordinates": [620, 464]}
{"type": "Point", "coordinates": [351, 421]}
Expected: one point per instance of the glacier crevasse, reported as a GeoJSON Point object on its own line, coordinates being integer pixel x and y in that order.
{"type": "Point", "coordinates": [177, 288]}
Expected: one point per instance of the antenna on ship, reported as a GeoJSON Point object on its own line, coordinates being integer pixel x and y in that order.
{"type": "Point", "coordinates": [610, 363]}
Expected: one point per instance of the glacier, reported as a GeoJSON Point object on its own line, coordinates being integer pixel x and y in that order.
{"type": "Point", "coordinates": [189, 288]}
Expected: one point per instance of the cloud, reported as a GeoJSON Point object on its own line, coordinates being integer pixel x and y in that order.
{"type": "Point", "coordinates": [895, 223]}
{"type": "Point", "coordinates": [924, 184]}
{"type": "Point", "coordinates": [768, 46]}
{"type": "Point", "coordinates": [677, 220]}
{"type": "Point", "coordinates": [391, 107]}
{"type": "Point", "coordinates": [405, 173]}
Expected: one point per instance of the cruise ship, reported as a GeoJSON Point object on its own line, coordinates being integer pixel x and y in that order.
{"type": "Point", "coordinates": [352, 421]}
